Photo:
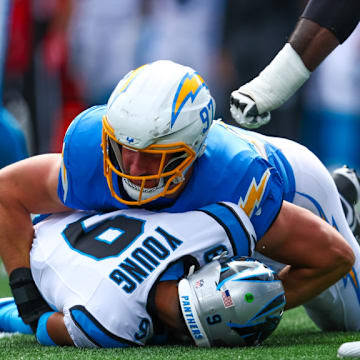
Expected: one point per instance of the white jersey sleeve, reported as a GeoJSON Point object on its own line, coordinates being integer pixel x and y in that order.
{"type": "Point", "coordinates": [99, 269]}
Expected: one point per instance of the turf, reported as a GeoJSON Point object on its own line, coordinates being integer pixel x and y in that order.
{"type": "Point", "coordinates": [295, 338]}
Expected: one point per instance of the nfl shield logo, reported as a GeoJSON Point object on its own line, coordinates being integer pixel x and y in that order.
{"type": "Point", "coordinates": [199, 283]}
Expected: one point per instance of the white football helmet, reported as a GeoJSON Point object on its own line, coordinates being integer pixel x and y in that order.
{"type": "Point", "coordinates": [160, 108]}
{"type": "Point", "coordinates": [237, 302]}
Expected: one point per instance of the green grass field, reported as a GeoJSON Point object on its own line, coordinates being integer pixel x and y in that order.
{"type": "Point", "coordinates": [296, 338]}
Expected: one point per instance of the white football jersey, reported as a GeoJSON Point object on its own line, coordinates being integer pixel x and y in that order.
{"type": "Point", "coordinates": [98, 269]}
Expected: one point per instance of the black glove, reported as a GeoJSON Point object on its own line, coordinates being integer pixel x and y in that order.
{"type": "Point", "coordinates": [30, 303]}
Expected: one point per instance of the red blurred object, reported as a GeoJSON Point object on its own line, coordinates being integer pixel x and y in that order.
{"type": "Point", "coordinates": [66, 115]}
{"type": "Point", "coordinates": [20, 37]}
{"type": "Point", "coordinates": [55, 51]}
{"type": "Point", "coordinates": [71, 107]}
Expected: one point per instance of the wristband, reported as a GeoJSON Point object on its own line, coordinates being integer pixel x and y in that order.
{"type": "Point", "coordinates": [29, 301]}
{"type": "Point", "coordinates": [278, 81]}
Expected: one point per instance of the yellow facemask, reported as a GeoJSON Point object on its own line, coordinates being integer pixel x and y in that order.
{"type": "Point", "coordinates": [173, 179]}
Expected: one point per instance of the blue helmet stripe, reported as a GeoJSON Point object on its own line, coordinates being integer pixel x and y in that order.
{"type": "Point", "coordinates": [262, 312]}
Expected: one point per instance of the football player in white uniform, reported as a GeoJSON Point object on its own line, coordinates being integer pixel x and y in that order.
{"type": "Point", "coordinates": [100, 274]}
{"type": "Point", "coordinates": [111, 280]}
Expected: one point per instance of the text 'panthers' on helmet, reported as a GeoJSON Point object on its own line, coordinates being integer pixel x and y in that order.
{"type": "Point", "coordinates": [160, 108]}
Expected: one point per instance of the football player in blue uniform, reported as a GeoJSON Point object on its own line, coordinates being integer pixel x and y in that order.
{"type": "Point", "coordinates": [323, 25]}
{"type": "Point", "coordinates": [156, 145]}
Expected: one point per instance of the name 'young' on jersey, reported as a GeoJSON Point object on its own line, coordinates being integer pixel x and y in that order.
{"type": "Point", "coordinates": [99, 269]}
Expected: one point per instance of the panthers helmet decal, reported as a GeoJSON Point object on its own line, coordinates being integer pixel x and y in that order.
{"type": "Point", "coordinates": [236, 302]}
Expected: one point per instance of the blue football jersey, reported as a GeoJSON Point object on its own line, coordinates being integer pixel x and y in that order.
{"type": "Point", "coordinates": [238, 166]}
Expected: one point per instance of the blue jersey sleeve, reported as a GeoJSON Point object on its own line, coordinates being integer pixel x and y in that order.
{"type": "Point", "coordinates": [258, 186]}
{"type": "Point", "coordinates": [233, 169]}
{"type": "Point", "coordinates": [261, 194]}
{"type": "Point", "coordinates": [240, 238]}
{"type": "Point", "coordinates": [82, 184]}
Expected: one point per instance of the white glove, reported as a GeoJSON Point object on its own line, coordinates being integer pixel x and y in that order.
{"type": "Point", "coordinates": [245, 112]}
{"type": "Point", "coordinates": [251, 104]}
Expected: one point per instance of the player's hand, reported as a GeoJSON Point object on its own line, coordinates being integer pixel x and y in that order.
{"type": "Point", "coordinates": [244, 111]}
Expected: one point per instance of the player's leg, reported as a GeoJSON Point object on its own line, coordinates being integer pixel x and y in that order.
{"type": "Point", "coordinates": [337, 308]}
{"type": "Point", "coordinates": [10, 320]}
{"type": "Point", "coordinates": [348, 185]}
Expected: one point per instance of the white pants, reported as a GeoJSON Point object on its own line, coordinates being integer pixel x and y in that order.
{"type": "Point", "coordinates": [338, 307]}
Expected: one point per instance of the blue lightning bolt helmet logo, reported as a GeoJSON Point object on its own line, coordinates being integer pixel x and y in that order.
{"type": "Point", "coordinates": [189, 87]}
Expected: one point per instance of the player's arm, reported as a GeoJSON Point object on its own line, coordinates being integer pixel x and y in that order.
{"type": "Point", "coordinates": [52, 331]}
{"type": "Point", "coordinates": [28, 186]}
{"type": "Point", "coordinates": [312, 42]}
{"type": "Point", "coordinates": [323, 25]}
{"type": "Point", "coordinates": [318, 255]}
{"type": "Point", "coordinates": [57, 330]}
{"type": "Point", "coordinates": [168, 306]}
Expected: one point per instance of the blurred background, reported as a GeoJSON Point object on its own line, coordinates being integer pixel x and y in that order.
{"type": "Point", "coordinates": [58, 57]}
